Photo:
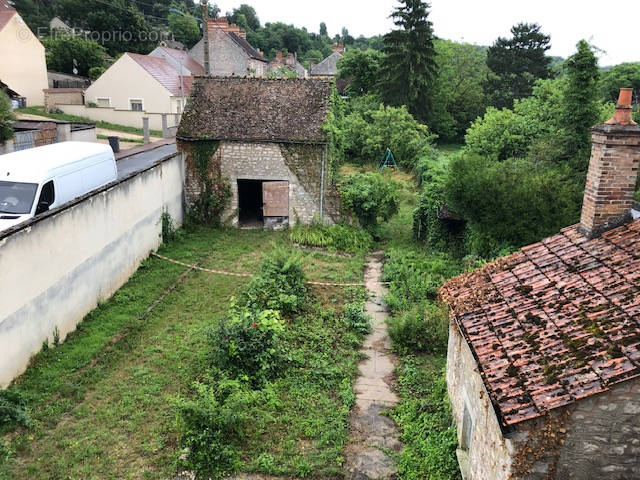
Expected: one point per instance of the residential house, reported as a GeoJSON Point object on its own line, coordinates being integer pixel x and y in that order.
{"type": "Point", "coordinates": [229, 52]}
{"type": "Point", "coordinates": [22, 61]}
{"type": "Point", "coordinates": [289, 62]}
{"type": "Point", "coordinates": [136, 87]}
{"type": "Point", "coordinates": [60, 25]}
{"type": "Point", "coordinates": [179, 60]}
{"type": "Point", "coordinates": [267, 138]}
{"type": "Point", "coordinates": [328, 68]}
{"type": "Point", "coordinates": [543, 366]}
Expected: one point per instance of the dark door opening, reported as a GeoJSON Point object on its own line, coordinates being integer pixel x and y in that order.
{"type": "Point", "coordinates": [250, 203]}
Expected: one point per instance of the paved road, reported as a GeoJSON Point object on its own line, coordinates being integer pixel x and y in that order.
{"type": "Point", "coordinates": [142, 160]}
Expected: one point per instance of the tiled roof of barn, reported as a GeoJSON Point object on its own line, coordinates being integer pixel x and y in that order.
{"type": "Point", "coordinates": [257, 109]}
{"type": "Point", "coordinates": [555, 322]}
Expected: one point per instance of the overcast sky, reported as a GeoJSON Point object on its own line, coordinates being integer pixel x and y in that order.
{"type": "Point", "coordinates": [610, 25]}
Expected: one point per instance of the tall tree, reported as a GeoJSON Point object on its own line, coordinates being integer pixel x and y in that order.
{"type": "Point", "coordinates": [184, 28]}
{"type": "Point", "coordinates": [245, 16]}
{"type": "Point", "coordinates": [581, 101]}
{"type": "Point", "coordinates": [362, 69]}
{"type": "Point", "coordinates": [409, 68]}
{"type": "Point", "coordinates": [323, 29]}
{"type": "Point", "coordinates": [516, 63]}
{"type": "Point", "coordinates": [623, 75]}
{"type": "Point", "coordinates": [63, 50]}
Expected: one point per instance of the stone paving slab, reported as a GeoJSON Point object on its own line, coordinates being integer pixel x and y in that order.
{"type": "Point", "coordinates": [372, 432]}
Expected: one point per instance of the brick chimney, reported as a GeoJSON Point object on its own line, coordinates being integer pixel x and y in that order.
{"type": "Point", "coordinates": [613, 171]}
{"type": "Point", "coordinates": [338, 48]}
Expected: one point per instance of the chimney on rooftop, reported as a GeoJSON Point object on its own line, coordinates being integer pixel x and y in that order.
{"type": "Point", "coordinates": [613, 171]}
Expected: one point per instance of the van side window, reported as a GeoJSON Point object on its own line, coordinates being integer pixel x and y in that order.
{"type": "Point", "coordinates": [47, 197]}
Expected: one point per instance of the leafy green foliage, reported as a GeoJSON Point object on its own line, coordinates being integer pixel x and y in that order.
{"type": "Point", "coordinates": [362, 69]}
{"type": "Point", "coordinates": [623, 75]}
{"type": "Point", "coordinates": [511, 203]}
{"type": "Point", "coordinates": [409, 67]}
{"type": "Point", "coordinates": [62, 50]}
{"type": "Point", "coordinates": [278, 285]}
{"type": "Point", "coordinates": [370, 197]}
{"type": "Point", "coordinates": [355, 318]}
{"type": "Point", "coordinates": [246, 343]}
{"type": "Point", "coordinates": [423, 329]}
{"type": "Point", "coordinates": [581, 101]}
{"type": "Point", "coordinates": [6, 118]}
{"type": "Point", "coordinates": [424, 415]}
{"type": "Point", "coordinates": [185, 29]}
{"type": "Point", "coordinates": [462, 72]}
{"type": "Point", "coordinates": [416, 277]}
{"type": "Point", "coordinates": [214, 420]}
{"type": "Point", "coordinates": [370, 131]}
{"type": "Point", "coordinates": [13, 410]}
{"type": "Point", "coordinates": [516, 63]}
{"type": "Point", "coordinates": [343, 238]}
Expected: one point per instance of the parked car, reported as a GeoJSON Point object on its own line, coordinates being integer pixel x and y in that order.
{"type": "Point", "coordinates": [37, 180]}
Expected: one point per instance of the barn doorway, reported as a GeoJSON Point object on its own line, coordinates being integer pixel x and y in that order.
{"type": "Point", "coordinates": [250, 203]}
{"type": "Point", "coordinates": [263, 203]}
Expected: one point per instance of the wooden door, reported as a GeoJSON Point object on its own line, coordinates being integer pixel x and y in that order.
{"type": "Point", "coordinates": [275, 199]}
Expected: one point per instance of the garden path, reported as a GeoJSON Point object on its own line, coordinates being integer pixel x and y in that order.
{"type": "Point", "coordinates": [374, 435]}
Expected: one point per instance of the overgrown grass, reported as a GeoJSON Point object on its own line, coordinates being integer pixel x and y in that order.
{"type": "Point", "coordinates": [342, 238]}
{"type": "Point", "coordinates": [103, 403]}
{"type": "Point", "coordinates": [40, 111]}
{"type": "Point", "coordinates": [419, 331]}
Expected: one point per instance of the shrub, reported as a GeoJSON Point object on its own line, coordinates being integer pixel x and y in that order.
{"type": "Point", "coordinates": [214, 420]}
{"type": "Point", "coordinates": [246, 342]}
{"type": "Point", "coordinates": [415, 277]}
{"type": "Point", "coordinates": [279, 284]}
{"type": "Point", "coordinates": [343, 238]}
{"type": "Point", "coordinates": [369, 133]}
{"type": "Point", "coordinates": [13, 410]}
{"type": "Point", "coordinates": [355, 318]}
{"type": "Point", "coordinates": [6, 118]}
{"type": "Point", "coordinates": [369, 197]}
{"type": "Point", "coordinates": [423, 329]}
{"type": "Point", "coordinates": [511, 203]}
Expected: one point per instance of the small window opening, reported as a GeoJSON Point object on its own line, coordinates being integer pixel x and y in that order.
{"type": "Point", "coordinates": [47, 197]}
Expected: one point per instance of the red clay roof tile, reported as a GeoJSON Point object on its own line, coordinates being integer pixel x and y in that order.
{"type": "Point", "coordinates": [555, 322]}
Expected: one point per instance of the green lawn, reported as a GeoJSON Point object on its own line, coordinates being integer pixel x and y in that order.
{"type": "Point", "coordinates": [40, 111]}
{"type": "Point", "coordinates": [103, 402]}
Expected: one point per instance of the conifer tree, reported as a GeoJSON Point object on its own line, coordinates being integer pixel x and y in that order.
{"type": "Point", "coordinates": [409, 68]}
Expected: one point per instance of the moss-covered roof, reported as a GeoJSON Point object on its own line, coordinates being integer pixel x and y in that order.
{"type": "Point", "coordinates": [257, 109]}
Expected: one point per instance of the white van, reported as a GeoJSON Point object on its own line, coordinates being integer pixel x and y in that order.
{"type": "Point", "coordinates": [36, 180]}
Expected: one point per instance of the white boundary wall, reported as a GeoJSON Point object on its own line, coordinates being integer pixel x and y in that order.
{"type": "Point", "coordinates": [55, 269]}
{"type": "Point", "coordinates": [129, 118]}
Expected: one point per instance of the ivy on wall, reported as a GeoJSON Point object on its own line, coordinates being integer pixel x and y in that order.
{"type": "Point", "coordinates": [212, 193]}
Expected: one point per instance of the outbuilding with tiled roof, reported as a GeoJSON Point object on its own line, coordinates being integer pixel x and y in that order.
{"type": "Point", "coordinates": [267, 138]}
{"type": "Point", "coordinates": [543, 365]}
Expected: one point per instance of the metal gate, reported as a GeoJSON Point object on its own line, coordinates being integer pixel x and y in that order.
{"type": "Point", "coordinates": [275, 197]}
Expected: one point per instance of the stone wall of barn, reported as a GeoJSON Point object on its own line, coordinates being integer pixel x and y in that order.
{"type": "Point", "coordinates": [300, 165]}
{"type": "Point", "coordinates": [603, 436]}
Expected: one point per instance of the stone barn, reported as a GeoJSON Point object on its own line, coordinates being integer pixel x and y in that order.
{"type": "Point", "coordinates": [267, 138]}
{"type": "Point", "coordinates": [543, 366]}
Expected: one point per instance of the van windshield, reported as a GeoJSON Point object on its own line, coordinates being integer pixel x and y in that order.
{"type": "Point", "coordinates": [17, 198]}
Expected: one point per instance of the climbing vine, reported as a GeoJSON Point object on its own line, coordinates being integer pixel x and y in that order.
{"type": "Point", "coordinates": [212, 193]}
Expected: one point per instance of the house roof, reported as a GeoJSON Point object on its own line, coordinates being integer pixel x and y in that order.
{"type": "Point", "coordinates": [6, 13]}
{"type": "Point", "coordinates": [328, 66]}
{"type": "Point", "coordinates": [555, 322]}
{"type": "Point", "coordinates": [163, 72]}
{"type": "Point", "coordinates": [246, 46]}
{"type": "Point", "coordinates": [183, 57]}
{"type": "Point", "coordinates": [257, 109]}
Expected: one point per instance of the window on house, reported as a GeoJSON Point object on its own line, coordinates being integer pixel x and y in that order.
{"type": "Point", "coordinates": [47, 197]}
{"type": "Point", "coordinates": [136, 105]}
{"type": "Point", "coordinates": [103, 102]}
{"type": "Point", "coordinates": [467, 429]}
